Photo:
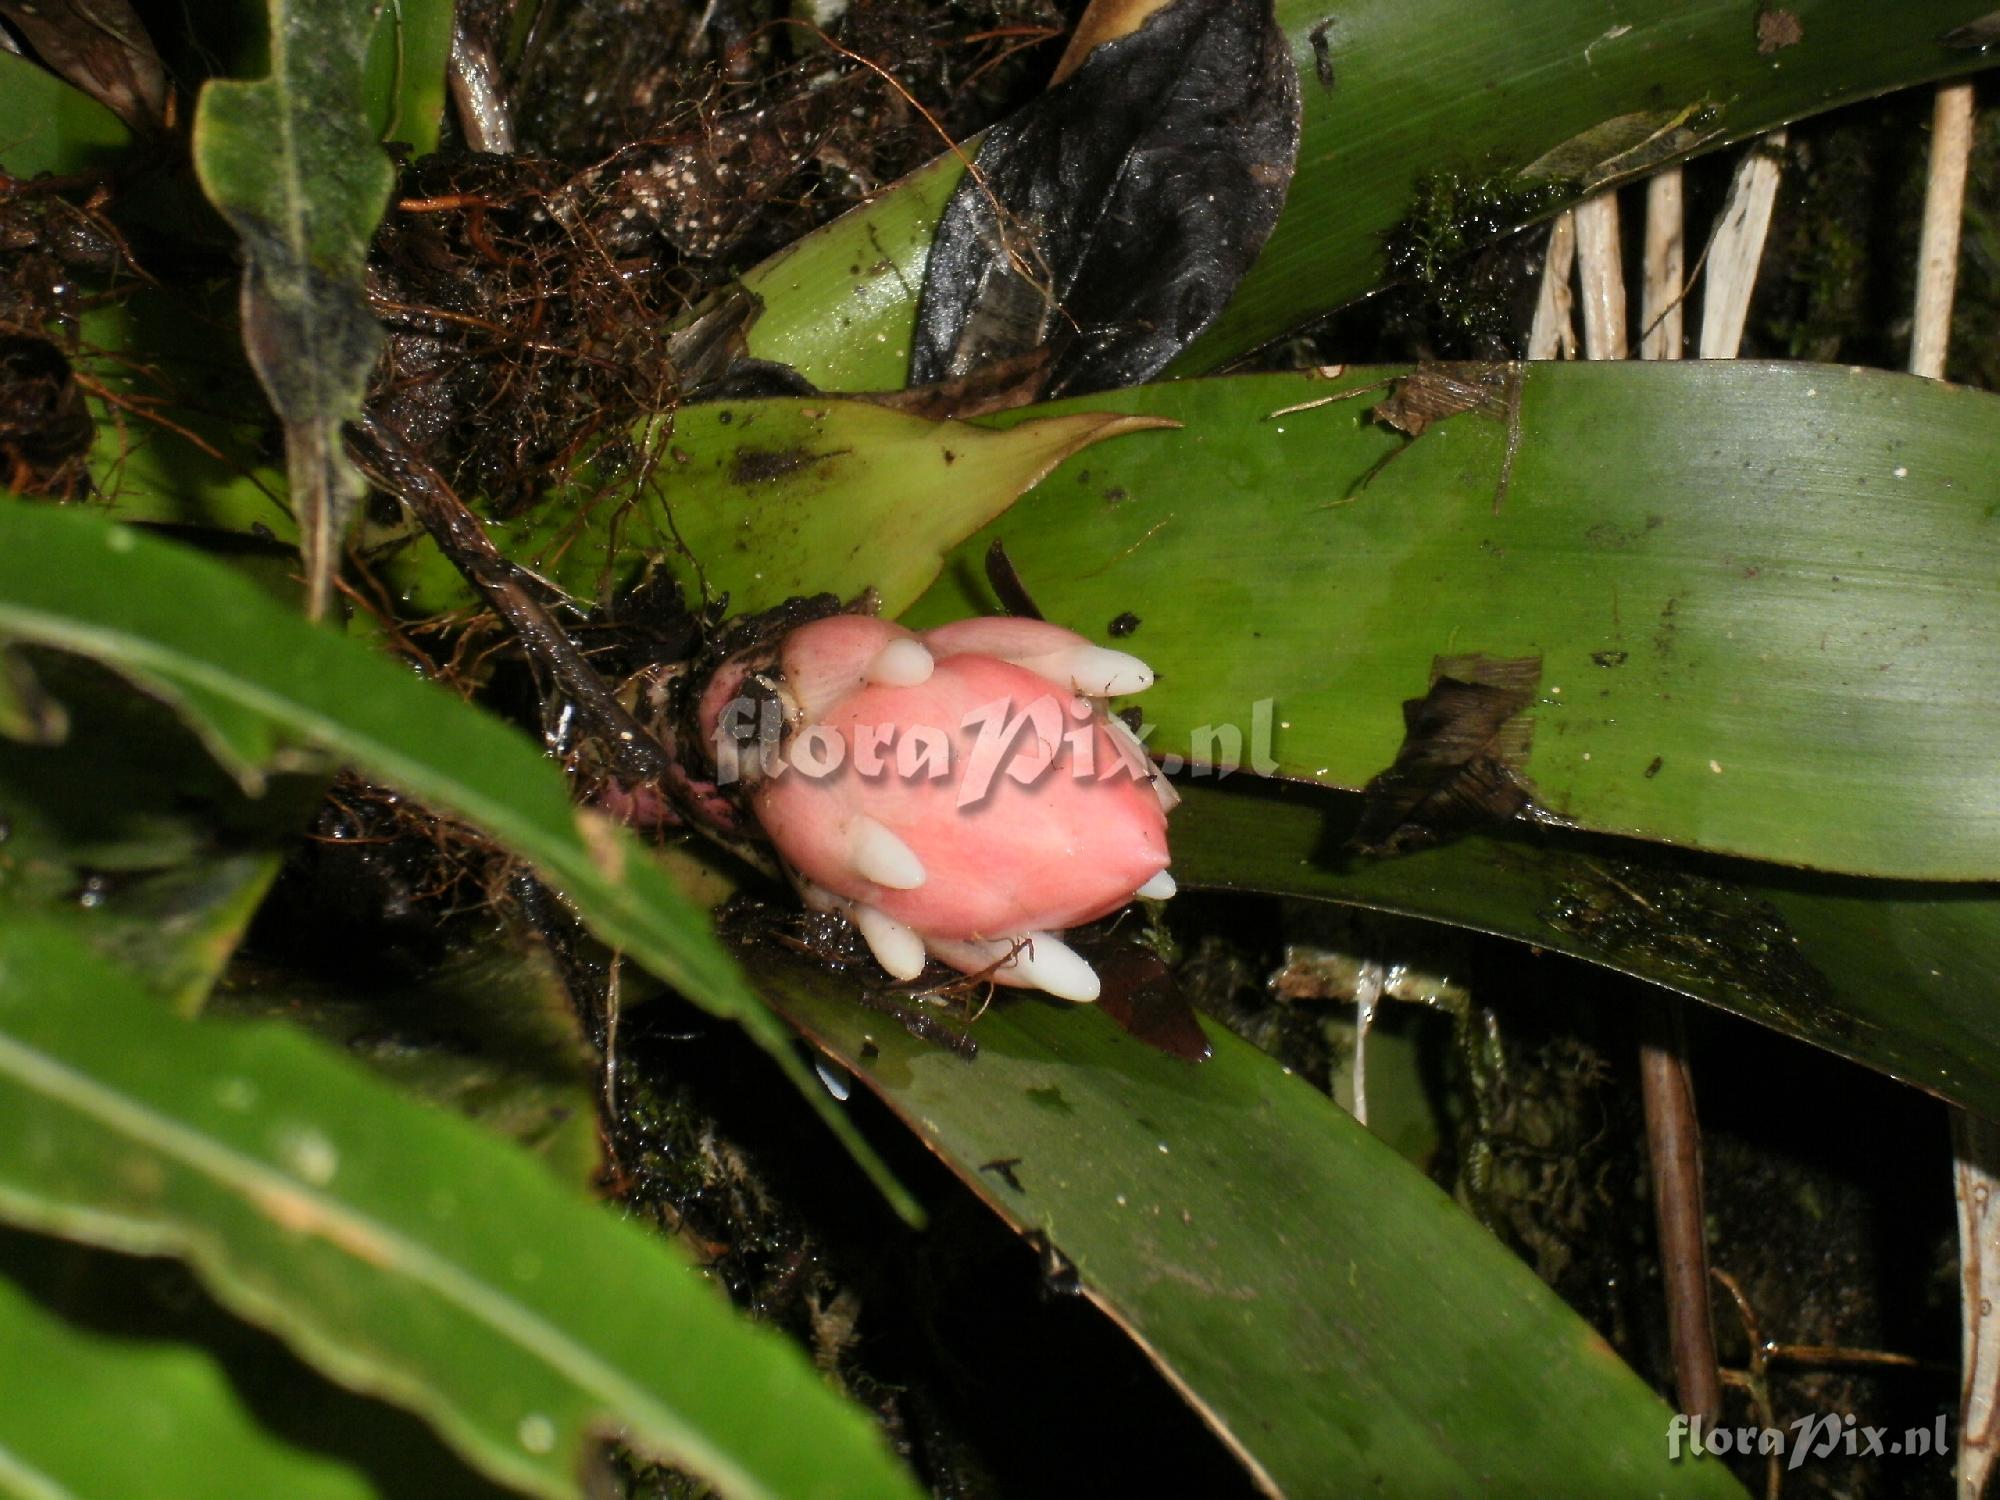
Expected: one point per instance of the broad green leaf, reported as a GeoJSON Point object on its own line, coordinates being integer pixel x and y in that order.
{"type": "Point", "coordinates": [48, 126]}
{"type": "Point", "coordinates": [291, 162]}
{"type": "Point", "coordinates": [207, 637]}
{"type": "Point", "coordinates": [407, 52]}
{"type": "Point", "coordinates": [1766, 621]}
{"type": "Point", "coordinates": [840, 304]}
{"type": "Point", "coordinates": [180, 1423]}
{"type": "Point", "coordinates": [129, 835]}
{"type": "Point", "coordinates": [1342, 1325]}
{"type": "Point", "coordinates": [1437, 127]}
{"type": "Point", "coordinates": [90, 1342]}
{"type": "Point", "coordinates": [1894, 975]}
{"type": "Point", "coordinates": [745, 498]}
{"type": "Point", "coordinates": [395, 1246]}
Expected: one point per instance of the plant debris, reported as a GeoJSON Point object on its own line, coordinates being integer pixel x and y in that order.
{"type": "Point", "coordinates": [1778, 29]}
{"type": "Point", "coordinates": [1464, 744]}
{"type": "Point", "coordinates": [101, 46]}
{"type": "Point", "coordinates": [1111, 219]}
{"type": "Point", "coordinates": [542, 304]}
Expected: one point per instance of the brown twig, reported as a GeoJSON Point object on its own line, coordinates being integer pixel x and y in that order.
{"type": "Point", "coordinates": [1755, 1381]}
{"type": "Point", "coordinates": [386, 456]}
{"type": "Point", "coordinates": [1673, 1142]}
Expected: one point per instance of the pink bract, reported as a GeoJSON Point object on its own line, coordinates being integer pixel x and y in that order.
{"type": "Point", "coordinates": [954, 793]}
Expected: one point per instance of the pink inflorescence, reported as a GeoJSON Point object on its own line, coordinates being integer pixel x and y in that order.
{"type": "Point", "coordinates": [961, 793]}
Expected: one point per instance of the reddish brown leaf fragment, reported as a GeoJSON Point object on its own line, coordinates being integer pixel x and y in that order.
{"type": "Point", "coordinates": [1142, 996]}
{"type": "Point", "coordinates": [1778, 29]}
{"type": "Point", "coordinates": [1464, 744]}
{"type": "Point", "coordinates": [101, 46]}
{"type": "Point", "coordinates": [1001, 385]}
{"type": "Point", "coordinates": [1433, 392]}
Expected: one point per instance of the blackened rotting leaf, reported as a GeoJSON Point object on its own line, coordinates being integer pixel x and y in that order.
{"type": "Point", "coordinates": [1464, 744]}
{"type": "Point", "coordinates": [1112, 218]}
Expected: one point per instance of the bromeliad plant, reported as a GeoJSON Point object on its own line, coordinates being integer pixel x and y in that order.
{"type": "Point", "coordinates": [1560, 642]}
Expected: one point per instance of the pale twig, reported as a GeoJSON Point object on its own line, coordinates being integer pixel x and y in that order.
{"type": "Point", "coordinates": [1738, 246]}
{"type": "Point", "coordinates": [472, 76]}
{"type": "Point", "coordinates": [1367, 997]}
{"type": "Point", "coordinates": [1661, 320]}
{"type": "Point", "coordinates": [1975, 1147]}
{"type": "Point", "coordinates": [1944, 208]}
{"type": "Point", "coordinates": [1554, 333]}
{"type": "Point", "coordinates": [1601, 276]}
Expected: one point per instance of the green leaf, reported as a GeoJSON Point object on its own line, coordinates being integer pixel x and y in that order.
{"type": "Point", "coordinates": [407, 52]}
{"type": "Point", "coordinates": [840, 304]}
{"type": "Point", "coordinates": [400, 1249]}
{"type": "Point", "coordinates": [293, 164]}
{"type": "Point", "coordinates": [746, 498]}
{"type": "Point", "coordinates": [48, 126]}
{"type": "Point", "coordinates": [1766, 625]}
{"type": "Point", "coordinates": [195, 1393]}
{"type": "Point", "coordinates": [181, 1424]}
{"type": "Point", "coordinates": [1441, 127]}
{"type": "Point", "coordinates": [213, 643]}
{"type": "Point", "coordinates": [1326, 1308]}
{"type": "Point", "coordinates": [1896, 976]}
